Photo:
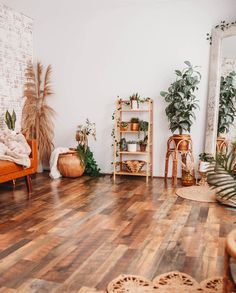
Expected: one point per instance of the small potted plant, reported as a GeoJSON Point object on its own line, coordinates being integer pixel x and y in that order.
{"type": "Point", "coordinates": [182, 103]}
{"type": "Point", "coordinates": [143, 144]}
{"type": "Point", "coordinates": [143, 126]}
{"type": "Point", "coordinates": [123, 144]}
{"type": "Point", "coordinates": [124, 126]}
{"type": "Point", "coordinates": [227, 108]}
{"type": "Point", "coordinates": [205, 160]}
{"type": "Point", "coordinates": [134, 101]}
{"type": "Point", "coordinates": [10, 120]}
{"type": "Point", "coordinates": [134, 126]}
{"type": "Point", "coordinates": [132, 146]}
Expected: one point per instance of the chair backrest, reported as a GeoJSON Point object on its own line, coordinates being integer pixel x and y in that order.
{"type": "Point", "coordinates": [34, 153]}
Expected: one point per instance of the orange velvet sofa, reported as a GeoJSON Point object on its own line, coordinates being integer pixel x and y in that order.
{"type": "Point", "coordinates": [11, 171]}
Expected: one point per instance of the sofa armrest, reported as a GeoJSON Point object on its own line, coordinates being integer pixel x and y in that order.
{"type": "Point", "coordinates": [34, 153]}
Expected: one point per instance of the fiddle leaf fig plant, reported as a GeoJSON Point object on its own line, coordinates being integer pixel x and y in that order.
{"type": "Point", "coordinates": [227, 103]}
{"type": "Point", "coordinates": [181, 99]}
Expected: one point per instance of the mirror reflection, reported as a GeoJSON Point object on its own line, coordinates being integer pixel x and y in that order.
{"type": "Point", "coordinates": [227, 103]}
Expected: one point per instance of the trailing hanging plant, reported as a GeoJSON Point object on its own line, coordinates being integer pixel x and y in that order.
{"type": "Point", "coordinates": [37, 116]}
{"type": "Point", "coordinates": [227, 103]}
{"type": "Point", "coordinates": [10, 120]}
{"type": "Point", "coordinates": [222, 177]}
{"type": "Point", "coordinates": [181, 99]}
{"type": "Point", "coordinates": [222, 26]}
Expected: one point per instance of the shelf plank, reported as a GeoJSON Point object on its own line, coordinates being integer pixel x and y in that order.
{"type": "Point", "coordinates": [133, 153]}
{"type": "Point", "coordinates": [140, 173]}
{"type": "Point", "coordinates": [138, 110]}
{"type": "Point", "coordinates": [130, 131]}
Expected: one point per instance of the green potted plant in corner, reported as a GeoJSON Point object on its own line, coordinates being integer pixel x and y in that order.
{"type": "Point", "coordinates": [132, 146]}
{"type": "Point", "coordinates": [227, 109]}
{"type": "Point", "coordinates": [134, 124]}
{"type": "Point", "coordinates": [182, 103]}
{"type": "Point", "coordinates": [134, 101]}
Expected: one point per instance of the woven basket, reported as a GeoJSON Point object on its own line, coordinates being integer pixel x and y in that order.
{"type": "Point", "coordinates": [69, 165]}
{"type": "Point", "coordinates": [134, 166]}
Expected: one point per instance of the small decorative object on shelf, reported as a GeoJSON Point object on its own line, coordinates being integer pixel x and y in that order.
{"type": "Point", "coordinates": [134, 101]}
{"type": "Point", "coordinates": [137, 128]}
{"type": "Point", "coordinates": [134, 166]}
{"type": "Point", "coordinates": [132, 146]}
{"type": "Point", "coordinates": [134, 124]}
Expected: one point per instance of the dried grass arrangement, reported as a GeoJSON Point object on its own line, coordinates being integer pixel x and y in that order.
{"type": "Point", "coordinates": [37, 116]}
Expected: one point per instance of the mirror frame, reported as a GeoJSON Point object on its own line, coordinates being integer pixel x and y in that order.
{"type": "Point", "coordinates": [214, 86]}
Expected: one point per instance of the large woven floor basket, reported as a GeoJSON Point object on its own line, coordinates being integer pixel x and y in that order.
{"type": "Point", "coordinates": [69, 165]}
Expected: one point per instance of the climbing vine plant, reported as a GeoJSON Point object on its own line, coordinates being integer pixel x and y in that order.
{"type": "Point", "coordinates": [222, 26]}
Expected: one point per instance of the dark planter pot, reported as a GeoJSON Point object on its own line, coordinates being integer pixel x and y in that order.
{"type": "Point", "coordinates": [143, 147]}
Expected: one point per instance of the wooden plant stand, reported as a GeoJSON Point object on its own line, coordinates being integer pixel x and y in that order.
{"type": "Point", "coordinates": [123, 109]}
{"type": "Point", "coordinates": [174, 152]}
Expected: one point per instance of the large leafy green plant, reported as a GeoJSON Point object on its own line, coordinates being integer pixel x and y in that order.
{"type": "Point", "coordinates": [181, 99]}
{"type": "Point", "coordinates": [227, 109]}
{"type": "Point", "coordinates": [222, 177]}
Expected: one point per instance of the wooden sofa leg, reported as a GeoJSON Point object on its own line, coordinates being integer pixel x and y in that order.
{"type": "Point", "coordinates": [28, 183]}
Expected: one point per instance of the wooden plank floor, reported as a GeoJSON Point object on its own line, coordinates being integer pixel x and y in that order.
{"type": "Point", "coordinates": [82, 233]}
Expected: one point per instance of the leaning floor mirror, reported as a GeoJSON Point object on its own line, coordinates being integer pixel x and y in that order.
{"type": "Point", "coordinates": [221, 113]}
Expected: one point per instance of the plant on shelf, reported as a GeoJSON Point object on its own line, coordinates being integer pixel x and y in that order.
{"type": "Point", "coordinates": [132, 146]}
{"type": "Point", "coordinates": [10, 120]}
{"type": "Point", "coordinates": [85, 154]}
{"type": "Point", "coordinates": [134, 124]}
{"type": "Point", "coordinates": [124, 126]}
{"type": "Point", "coordinates": [143, 144]}
{"type": "Point", "coordinates": [123, 144]}
{"type": "Point", "coordinates": [37, 115]}
{"type": "Point", "coordinates": [182, 102]}
{"type": "Point", "coordinates": [134, 101]}
{"type": "Point", "coordinates": [222, 177]}
{"type": "Point", "coordinates": [143, 126]}
{"type": "Point", "coordinates": [227, 107]}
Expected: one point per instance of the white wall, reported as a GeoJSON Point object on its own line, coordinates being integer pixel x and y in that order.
{"type": "Point", "coordinates": [100, 49]}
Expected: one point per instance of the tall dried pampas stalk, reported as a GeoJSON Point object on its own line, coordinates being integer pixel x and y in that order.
{"type": "Point", "coordinates": [37, 116]}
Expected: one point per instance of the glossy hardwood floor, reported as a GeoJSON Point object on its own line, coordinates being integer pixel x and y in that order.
{"type": "Point", "coordinates": [82, 233]}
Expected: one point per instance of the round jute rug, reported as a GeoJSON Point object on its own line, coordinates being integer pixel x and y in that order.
{"type": "Point", "coordinates": [197, 193]}
{"type": "Point", "coordinates": [172, 282]}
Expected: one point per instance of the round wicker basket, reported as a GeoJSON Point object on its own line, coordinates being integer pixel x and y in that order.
{"type": "Point", "coordinates": [69, 165]}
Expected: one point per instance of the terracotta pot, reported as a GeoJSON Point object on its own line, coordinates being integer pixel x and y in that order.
{"type": "Point", "coordinates": [143, 147]}
{"type": "Point", "coordinates": [134, 126]}
{"type": "Point", "coordinates": [187, 179]}
{"type": "Point", "coordinates": [124, 128]}
{"type": "Point", "coordinates": [69, 165]}
{"type": "Point", "coordinates": [182, 145]}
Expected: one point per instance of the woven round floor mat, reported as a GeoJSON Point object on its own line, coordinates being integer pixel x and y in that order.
{"type": "Point", "coordinates": [172, 282]}
{"type": "Point", "coordinates": [197, 193]}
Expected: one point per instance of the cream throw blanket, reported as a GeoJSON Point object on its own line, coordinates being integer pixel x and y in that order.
{"type": "Point", "coordinates": [14, 148]}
